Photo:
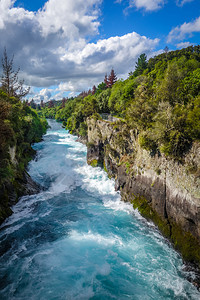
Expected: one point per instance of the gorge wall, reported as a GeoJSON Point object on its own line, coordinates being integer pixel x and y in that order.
{"type": "Point", "coordinates": [20, 185]}
{"type": "Point", "coordinates": [163, 190]}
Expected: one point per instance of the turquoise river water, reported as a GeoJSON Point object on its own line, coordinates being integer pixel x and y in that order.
{"type": "Point", "coordinates": [78, 240]}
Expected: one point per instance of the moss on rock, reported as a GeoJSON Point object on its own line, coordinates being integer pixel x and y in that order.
{"type": "Point", "coordinates": [183, 241]}
{"type": "Point", "coordinates": [186, 243]}
{"type": "Point", "coordinates": [94, 163]}
{"type": "Point", "coordinates": [147, 212]}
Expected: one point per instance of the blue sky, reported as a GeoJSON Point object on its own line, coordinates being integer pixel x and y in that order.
{"type": "Point", "coordinates": [64, 47]}
{"type": "Point", "coordinates": [153, 24]}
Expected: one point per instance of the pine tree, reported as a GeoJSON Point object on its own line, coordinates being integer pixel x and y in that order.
{"type": "Point", "coordinates": [112, 78]}
{"type": "Point", "coordinates": [9, 79]}
{"type": "Point", "coordinates": [94, 90]}
{"type": "Point", "coordinates": [140, 65]}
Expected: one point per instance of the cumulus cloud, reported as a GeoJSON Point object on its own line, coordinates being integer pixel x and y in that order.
{"type": "Point", "coordinates": [148, 5]}
{"type": "Point", "coordinates": [51, 45]}
{"type": "Point", "coordinates": [64, 17]}
{"type": "Point", "coordinates": [118, 50]}
{"type": "Point", "coordinates": [184, 30]}
{"type": "Point", "coordinates": [44, 94]}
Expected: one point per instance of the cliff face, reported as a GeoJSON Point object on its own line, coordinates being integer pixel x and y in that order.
{"type": "Point", "coordinates": [166, 191]}
{"type": "Point", "coordinates": [20, 185]}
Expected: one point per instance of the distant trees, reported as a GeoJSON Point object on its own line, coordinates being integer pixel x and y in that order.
{"type": "Point", "coordinates": [10, 82]}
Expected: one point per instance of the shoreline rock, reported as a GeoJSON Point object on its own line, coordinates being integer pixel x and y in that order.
{"type": "Point", "coordinates": [11, 192]}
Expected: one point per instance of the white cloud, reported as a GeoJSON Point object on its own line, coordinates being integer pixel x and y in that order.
{"type": "Point", "coordinates": [9, 14]}
{"type": "Point", "coordinates": [72, 18]}
{"type": "Point", "coordinates": [44, 94]}
{"type": "Point", "coordinates": [112, 51]}
{"type": "Point", "coordinates": [148, 5]}
{"type": "Point", "coordinates": [92, 61]}
{"type": "Point", "coordinates": [184, 30]}
{"type": "Point", "coordinates": [183, 45]}
{"type": "Point", "coordinates": [51, 45]}
{"type": "Point", "coordinates": [57, 16]}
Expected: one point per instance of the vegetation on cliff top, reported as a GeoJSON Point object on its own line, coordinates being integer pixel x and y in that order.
{"type": "Point", "coordinates": [160, 100]}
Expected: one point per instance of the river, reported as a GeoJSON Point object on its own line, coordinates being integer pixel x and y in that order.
{"type": "Point", "coordinates": [78, 240]}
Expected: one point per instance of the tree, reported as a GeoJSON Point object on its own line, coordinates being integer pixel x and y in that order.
{"type": "Point", "coordinates": [50, 104]}
{"type": "Point", "coordinates": [168, 89]}
{"type": "Point", "coordinates": [111, 79]}
{"type": "Point", "coordinates": [9, 79]}
{"type": "Point", "coordinates": [101, 87]}
{"type": "Point", "coordinates": [42, 103]}
{"type": "Point", "coordinates": [94, 90]}
{"type": "Point", "coordinates": [33, 104]}
{"type": "Point", "coordinates": [102, 101]}
{"type": "Point", "coordinates": [166, 49]}
{"type": "Point", "coordinates": [140, 65]}
{"type": "Point", "coordinates": [64, 100]}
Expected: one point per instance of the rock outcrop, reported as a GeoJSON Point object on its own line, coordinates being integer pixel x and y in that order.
{"type": "Point", "coordinates": [164, 190]}
{"type": "Point", "coordinates": [10, 192]}
{"type": "Point", "coordinates": [20, 185]}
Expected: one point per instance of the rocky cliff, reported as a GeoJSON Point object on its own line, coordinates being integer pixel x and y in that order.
{"type": "Point", "coordinates": [164, 190]}
{"type": "Point", "coordinates": [20, 185]}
